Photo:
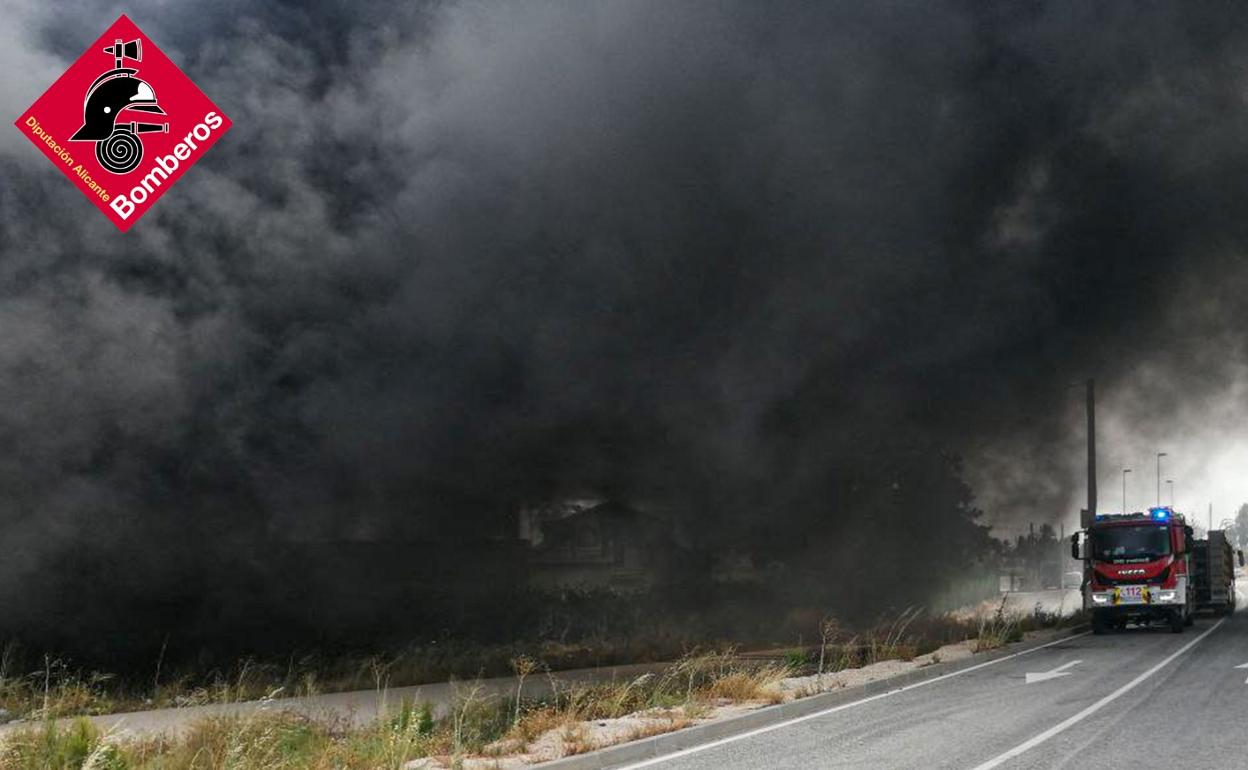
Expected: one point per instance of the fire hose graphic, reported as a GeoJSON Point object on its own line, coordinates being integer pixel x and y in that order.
{"type": "Point", "coordinates": [118, 147]}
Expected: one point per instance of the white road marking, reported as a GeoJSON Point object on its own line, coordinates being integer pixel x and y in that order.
{"type": "Point", "coordinates": [780, 725]}
{"type": "Point", "coordinates": [1056, 673]}
{"type": "Point", "coordinates": [1116, 694]}
{"type": "Point", "coordinates": [1243, 665]}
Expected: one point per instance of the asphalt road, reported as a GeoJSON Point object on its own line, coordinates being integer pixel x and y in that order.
{"type": "Point", "coordinates": [1143, 698]}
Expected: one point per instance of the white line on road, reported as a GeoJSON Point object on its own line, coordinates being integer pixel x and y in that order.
{"type": "Point", "coordinates": [1071, 721]}
{"type": "Point", "coordinates": [1243, 665]}
{"type": "Point", "coordinates": [1056, 673]}
{"type": "Point", "coordinates": [780, 725]}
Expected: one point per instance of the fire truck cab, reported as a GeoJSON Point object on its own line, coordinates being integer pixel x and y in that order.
{"type": "Point", "coordinates": [1137, 569]}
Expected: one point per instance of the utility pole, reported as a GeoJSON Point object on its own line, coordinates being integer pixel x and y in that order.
{"type": "Point", "coordinates": [1159, 456]}
{"type": "Point", "coordinates": [1125, 471]}
{"type": "Point", "coordinates": [1061, 560]}
{"type": "Point", "coordinates": [1210, 517]}
{"type": "Point", "coordinates": [1089, 514]}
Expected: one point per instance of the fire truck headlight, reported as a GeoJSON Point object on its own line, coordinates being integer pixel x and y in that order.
{"type": "Point", "coordinates": [1100, 598]}
{"type": "Point", "coordinates": [1167, 596]}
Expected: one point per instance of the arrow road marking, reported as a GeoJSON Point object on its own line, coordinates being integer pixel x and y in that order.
{"type": "Point", "coordinates": [1060, 671]}
{"type": "Point", "coordinates": [1075, 719]}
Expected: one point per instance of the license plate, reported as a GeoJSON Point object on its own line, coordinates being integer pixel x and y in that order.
{"type": "Point", "coordinates": [1132, 594]}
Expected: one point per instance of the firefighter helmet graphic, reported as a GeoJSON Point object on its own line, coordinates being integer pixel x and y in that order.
{"type": "Point", "coordinates": [118, 147]}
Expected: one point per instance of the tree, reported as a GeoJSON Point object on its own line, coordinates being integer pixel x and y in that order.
{"type": "Point", "coordinates": [1241, 526]}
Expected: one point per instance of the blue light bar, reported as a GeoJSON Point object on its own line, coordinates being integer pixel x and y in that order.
{"type": "Point", "coordinates": [1160, 513]}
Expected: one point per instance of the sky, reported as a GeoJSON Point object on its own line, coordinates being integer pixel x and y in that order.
{"type": "Point", "coordinates": [1206, 456]}
{"type": "Point", "coordinates": [459, 255]}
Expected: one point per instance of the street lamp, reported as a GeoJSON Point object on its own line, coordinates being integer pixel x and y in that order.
{"type": "Point", "coordinates": [1125, 471]}
{"type": "Point", "coordinates": [1159, 456]}
{"type": "Point", "coordinates": [1170, 483]}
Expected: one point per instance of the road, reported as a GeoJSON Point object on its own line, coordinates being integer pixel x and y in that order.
{"type": "Point", "coordinates": [1138, 699]}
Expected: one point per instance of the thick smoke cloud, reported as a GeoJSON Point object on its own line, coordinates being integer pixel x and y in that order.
{"type": "Point", "coordinates": [458, 256]}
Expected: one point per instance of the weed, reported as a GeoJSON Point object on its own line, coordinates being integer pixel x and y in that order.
{"type": "Point", "coordinates": [998, 629]}
{"type": "Point", "coordinates": [522, 666]}
{"type": "Point", "coordinates": [829, 630]}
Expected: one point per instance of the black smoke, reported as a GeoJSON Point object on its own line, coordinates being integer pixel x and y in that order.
{"type": "Point", "coordinates": [775, 266]}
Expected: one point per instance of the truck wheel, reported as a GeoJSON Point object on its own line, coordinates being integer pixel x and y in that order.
{"type": "Point", "coordinates": [1099, 626]}
{"type": "Point", "coordinates": [1177, 623]}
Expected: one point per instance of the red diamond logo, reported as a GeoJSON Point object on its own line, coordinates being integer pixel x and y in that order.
{"type": "Point", "coordinates": [123, 123]}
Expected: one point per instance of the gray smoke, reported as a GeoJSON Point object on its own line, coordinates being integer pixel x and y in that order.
{"type": "Point", "coordinates": [456, 256]}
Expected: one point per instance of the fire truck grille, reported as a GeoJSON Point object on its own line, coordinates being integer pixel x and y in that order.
{"type": "Point", "coordinates": [1129, 580]}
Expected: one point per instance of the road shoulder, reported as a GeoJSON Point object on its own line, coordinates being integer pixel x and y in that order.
{"type": "Point", "coordinates": [644, 751]}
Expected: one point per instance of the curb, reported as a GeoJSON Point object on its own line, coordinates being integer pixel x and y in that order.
{"type": "Point", "coordinates": [668, 743]}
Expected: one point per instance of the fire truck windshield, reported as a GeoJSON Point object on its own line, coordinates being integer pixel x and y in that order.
{"type": "Point", "coordinates": [1129, 544]}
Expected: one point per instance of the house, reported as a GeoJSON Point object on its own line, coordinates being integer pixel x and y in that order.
{"type": "Point", "coordinates": [602, 544]}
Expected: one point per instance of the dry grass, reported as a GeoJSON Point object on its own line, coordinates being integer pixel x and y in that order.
{"type": "Point", "coordinates": [477, 726]}
{"type": "Point", "coordinates": [760, 684]}
{"type": "Point", "coordinates": [576, 739]}
{"type": "Point", "coordinates": [998, 629]}
{"type": "Point", "coordinates": [893, 641]}
{"type": "Point", "coordinates": [33, 687]}
{"type": "Point", "coordinates": [536, 722]}
{"type": "Point", "coordinates": [53, 691]}
{"type": "Point", "coordinates": [36, 687]}
{"type": "Point", "coordinates": [913, 632]}
{"type": "Point", "coordinates": [659, 727]}
{"type": "Point", "coordinates": [263, 741]}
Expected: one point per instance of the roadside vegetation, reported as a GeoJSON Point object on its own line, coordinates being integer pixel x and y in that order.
{"type": "Point", "coordinates": [576, 628]}
{"type": "Point", "coordinates": [45, 686]}
{"type": "Point", "coordinates": [476, 731]}
{"type": "Point", "coordinates": [485, 727]}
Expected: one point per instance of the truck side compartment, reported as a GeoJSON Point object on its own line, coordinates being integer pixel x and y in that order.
{"type": "Point", "coordinates": [1213, 568]}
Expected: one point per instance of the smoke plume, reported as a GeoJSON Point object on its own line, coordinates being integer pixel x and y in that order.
{"type": "Point", "coordinates": [766, 264]}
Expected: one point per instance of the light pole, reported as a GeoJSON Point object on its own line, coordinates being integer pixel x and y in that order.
{"type": "Point", "coordinates": [1087, 519]}
{"type": "Point", "coordinates": [1125, 471]}
{"type": "Point", "coordinates": [1170, 483]}
{"type": "Point", "coordinates": [1159, 456]}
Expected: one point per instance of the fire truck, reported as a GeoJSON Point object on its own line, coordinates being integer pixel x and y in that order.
{"type": "Point", "coordinates": [1137, 569]}
{"type": "Point", "coordinates": [1148, 567]}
